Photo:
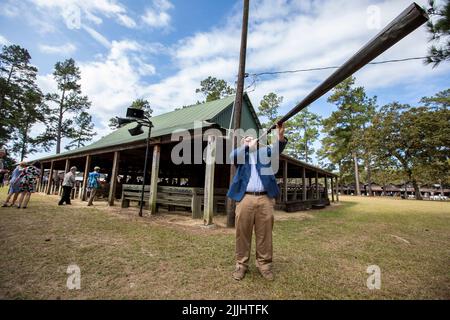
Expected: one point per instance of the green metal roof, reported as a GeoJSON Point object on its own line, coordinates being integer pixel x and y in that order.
{"type": "Point", "coordinates": [163, 124]}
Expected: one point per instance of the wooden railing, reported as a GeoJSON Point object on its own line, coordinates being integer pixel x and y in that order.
{"type": "Point", "coordinates": [173, 197]}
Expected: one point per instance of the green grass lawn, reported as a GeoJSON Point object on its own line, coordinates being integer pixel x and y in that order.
{"type": "Point", "coordinates": [318, 255]}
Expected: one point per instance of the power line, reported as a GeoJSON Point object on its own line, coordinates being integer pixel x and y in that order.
{"type": "Point", "coordinates": [331, 67]}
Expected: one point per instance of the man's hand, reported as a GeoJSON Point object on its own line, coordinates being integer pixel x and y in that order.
{"type": "Point", "coordinates": [281, 129]}
{"type": "Point", "coordinates": [250, 142]}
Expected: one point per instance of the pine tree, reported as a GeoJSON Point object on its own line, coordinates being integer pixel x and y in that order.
{"type": "Point", "coordinates": [68, 100]}
{"type": "Point", "coordinates": [440, 33]}
{"type": "Point", "coordinates": [268, 108]}
{"type": "Point", "coordinates": [214, 89]}
{"type": "Point", "coordinates": [17, 75]}
{"type": "Point", "coordinates": [303, 131]}
{"type": "Point", "coordinates": [30, 110]}
{"type": "Point", "coordinates": [83, 131]}
{"type": "Point", "coordinates": [345, 127]}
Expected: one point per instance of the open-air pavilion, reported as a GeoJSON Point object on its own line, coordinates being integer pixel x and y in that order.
{"type": "Point", "coordinates": [121, 158]}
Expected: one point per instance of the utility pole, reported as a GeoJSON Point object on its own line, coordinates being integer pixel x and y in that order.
{"type": "Point", "coordinates": [230, 205]}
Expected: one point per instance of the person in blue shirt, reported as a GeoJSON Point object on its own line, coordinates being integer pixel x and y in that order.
{"type": "Point", "coordinates": [93, 184]}
{"type": "Point", "coordinates": [254, 188]}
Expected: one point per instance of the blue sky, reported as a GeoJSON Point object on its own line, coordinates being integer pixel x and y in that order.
{"type": "Point", "coordinates": [160, 49]}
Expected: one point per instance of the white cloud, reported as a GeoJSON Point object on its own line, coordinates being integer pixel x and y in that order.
{"type": "Point", "coordinates": [283, 35]}
{"type": "Point", "coordinates": [157, 16]}
{"type": "Point", "coordinates": [287, 35]}
{"type": "Point", "coordinates": [113, 81]}
{"type": "Point", "coordinates": [4, 41]}
{"type": "Point", "coordinates": [97, 36]}
{"type": "Point", "coordinates": [89, 9]}
{"type": "Point", "coordinates": [126, 21]}
{"type": "Point", "coordinates": [65, 49]}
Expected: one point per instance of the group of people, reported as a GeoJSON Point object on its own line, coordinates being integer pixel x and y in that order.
{"type": "Point", "coordinates": [25, 177]}
{"type": "Point", "coordinates": [22, 184]}
{"type": "Point", "coordinates": [93, 184]}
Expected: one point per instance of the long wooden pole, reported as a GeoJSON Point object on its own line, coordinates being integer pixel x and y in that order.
{"type": "Point", "coordinates": [230, 205]}
{"type": "Point", "coordinates": [405, 23]}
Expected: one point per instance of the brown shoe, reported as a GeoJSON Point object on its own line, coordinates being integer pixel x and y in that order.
{"type": "Point", "coordinates": [267, 274]}
{"type": "Point", "coordinates": [239, 273]}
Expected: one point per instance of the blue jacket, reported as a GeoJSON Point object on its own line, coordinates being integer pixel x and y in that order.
{"type": "Point", "coordinates": [240, 157]}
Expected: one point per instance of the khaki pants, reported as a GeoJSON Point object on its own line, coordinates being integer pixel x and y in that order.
{"type": "Point", "coordinates": [254, 212]}
{"type": "Point", "coordinates": [92, 196]}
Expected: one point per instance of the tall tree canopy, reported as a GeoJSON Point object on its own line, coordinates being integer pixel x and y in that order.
{"type": "Point", "coordinates": [214, 89]}
{"type": "Point", "coordinates": [268, 108]}
{"type": "Point", "coordinates": [83, 131]}
{"type": "Point", "coordinates": [17, 76]}
{"type": "Point", "coordinates": [416, 139]}
{"type": "Point", "coordinates": [303, 131]}
{"type": "Point", "coordinates": [345, 127]}
{"type": "Point", "coordinates": [440, 33]}
{"type": "Point", "coordinates": [68, 99]}
{"type": "Point", "coordinates": [440, 101]}
{"type": "Point", "coordinates": [30, 110]}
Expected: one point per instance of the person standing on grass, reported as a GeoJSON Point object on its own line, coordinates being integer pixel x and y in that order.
{"type": "Point", "coordinates": [14, 185]}
{"type": "Point", "coordinates": [93, 184]}
{"type": "Point", "coordinates": [255, 189]}
{"type": "Point", "coordinates": [2, 179]}
{"type": "Point", "coordinates": [68, 184]}
{"type": "Point", "coordinates": [27, 185]}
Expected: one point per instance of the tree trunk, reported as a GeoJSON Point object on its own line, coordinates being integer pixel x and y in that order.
{"type": "Point", "coordinates": [416, 189]}
{"type": "Point", "coordinates": [369, 178]}
{"type": "Point", "coordinates": [306, 151]}
{"type": "Point", "coordinates": [24, 144]}
{"type": "Point", "coordinates": [355, 160]}
{"type": "Point", "coordinates": [58, 133]}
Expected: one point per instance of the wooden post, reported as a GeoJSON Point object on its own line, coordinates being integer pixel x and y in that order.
{"type": "Point", "coordinates": [332, 189]}
{"type": "Point", "coordinates": [230, 204]}
{"type": "Point", "coordinates": [196, 204]}
{"type": "Point", "coordinates": [113, 180]}
{"type": "Point", "coordinates": [50, 178]}
{"type": "Point", "coordinates": [41, 175]}
{"type": "Point", "coordinates": [83, 191]}
{"type": "Point", "coordinates": [285, 187]}
{"type": "Point", "coordinates": [208, 210]}
{"type": "Point", "coordinates": [326, 187]}
{"type": "Point", "coordinates": [154, 178]}
{"type": "Point", "coordinates": [337, 189]}
{"type": "Point", "coordinates": [304, 184]}
{"type": "Point", "coordinates": [317, 186]}
{"type": "Point", "coordinates": [311, 192]}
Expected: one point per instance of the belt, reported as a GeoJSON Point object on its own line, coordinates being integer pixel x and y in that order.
{"type": "Point", "coordinates": [257, 193]}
